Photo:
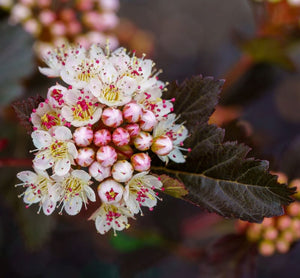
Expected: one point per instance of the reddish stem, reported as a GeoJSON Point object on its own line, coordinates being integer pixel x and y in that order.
{"type": "Point", "coordinates": [15, 162]}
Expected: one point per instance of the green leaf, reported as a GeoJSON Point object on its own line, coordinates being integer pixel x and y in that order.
{"type": "Point", "coordinates": [173, 187]}
{"type": "Point", "coordinates": [16, 61]}
{"type": "Point", "coordinates": [218, 175]}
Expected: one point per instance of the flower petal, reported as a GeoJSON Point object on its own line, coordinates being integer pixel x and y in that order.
{"type": "Point", "coordinates": [90, 193]}
{"type": "Point", "coordinates": [48, 206]}
{"type": "Point", "coordinates": [62, 133]}
{"type": "Point", "coordinates": [73, 206]}
{"type": "Point", "coordinates": [62, 167]}
{"type": "Point", "coordinates": [41, 139]}
{"type": "Point", "coordinates": [27, 177]}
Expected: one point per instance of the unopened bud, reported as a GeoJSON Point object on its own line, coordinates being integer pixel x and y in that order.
{"type": "Point", "coordinates": [83, 136]}
{"type": "Point", "coordinates": [162, 145]}
{"type": "Point", "coordinates": [85, 157]}
{"type": "Point", "coordinates": [102, 137]}
{"type": "Point", "coordinates": [282, 246]}
{"type": "Point", "coordinates": [110, 191]}
{"type": "Point", "coordinates": [122, 171]}
{"type": "Point", "coordinates": [120, 137]}
{"type": "Point", "coordinates": [99, 172]}
{"type": "Point", "coordinates": [266, 248]}
{"type": "Point", "coordinates": [106, 156]}
{"type": "Point", "coordinates": [132, 112]}
{"type": "Point", "coordinates": [148, 120]}
{"type": "Point", "coordinates": [133, 129]}
{"type": "Point", "coordinates": [143, 141]}
{"type": "Point", "coordinates": [141, 162]}
{"type": "Point", "coordinates": [284, 222]}
{"type": "Point", "coordinates": [112, 117]}
{"type": "Point", "coordinates": [271, 233]}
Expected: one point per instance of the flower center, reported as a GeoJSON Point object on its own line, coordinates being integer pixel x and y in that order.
{"type": "Point", "coordinates": [111, 93]}
{"type": "Point", "coordinates": [59, 149]}
{"type": "Point", "coordinates": [83, 111]}
{"type": "Point", "coordinates": [49, 120]}
{"type": "Point", "coordinates": [73, 187]}
{"type": "Point", "coordinates": [57, 95]}
{"type": "Point", "coordinates": [111, 195]}
{"type": "Point", "coordinates": [42, 186]}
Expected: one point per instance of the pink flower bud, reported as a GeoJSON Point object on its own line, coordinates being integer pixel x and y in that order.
{"type": "Point", "coordinates": [102, 137]}
{"type": "Point", "coordinates": [110, 191]}
{"type": "Point", "coordinates": [112, 117]}
{"type": "Point", "coordinates": [120, 137]}
{"type": "Point", "coordinates": [282, 246]}
{"type": "Point", "coordinates": [271, 233]}
{"type": "Point", "coordinates": [132, 112]}
{"type": "Point", "coordinates": [124, 152]}
{"type": "Point", "coordinates": [143, 141]}
{"type": "Point", "coordinates": [85, 157]}
{"type": "Point", "coordinates": [284, 222]}
{"type": "Point", "coordinates": [266, 248]}
{"type": "Point", "coordinates": [133, 129]}
{"type": "Point", "coordinates": [141, 162]}
{"type": "Point", "coordinates": [47, 17]}
{"type": "Point", "coordinates": [83, 136]}
{"type": "Point", "coordinates": [148, 121]}
{"type": "Point", "coordinates": [294, 209]}
{"type": "Point", "coordinates": [122, 171]}
{"type": "Point", "coordinates": [106, 156]}
{"type": "Point", "coordinates": [162, 145]}
{"type": "Point", "coordinates": [99, 172]}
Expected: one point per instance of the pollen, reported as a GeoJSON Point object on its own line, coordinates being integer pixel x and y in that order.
{"type": "Point", "coordinates": [59, 149]}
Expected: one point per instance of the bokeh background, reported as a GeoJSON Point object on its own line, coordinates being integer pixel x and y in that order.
{"type": "Point", "coordinates": [255, 47]}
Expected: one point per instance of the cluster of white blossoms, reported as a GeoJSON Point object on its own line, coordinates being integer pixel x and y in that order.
{"type": "Point", "coordinates": [103, 126]}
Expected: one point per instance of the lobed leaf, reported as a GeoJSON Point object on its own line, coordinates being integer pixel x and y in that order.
{"type": "Point", "coordinates": [218, 175]}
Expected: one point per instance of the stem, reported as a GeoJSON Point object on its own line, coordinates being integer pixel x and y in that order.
{"type": "Point", "coordinates": [15, 162]}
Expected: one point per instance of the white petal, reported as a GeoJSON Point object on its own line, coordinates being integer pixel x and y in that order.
{"type": "Point", "coordinates": [176, 156]}
{"type": "Point", "coordinates": [62, 133]}
{"type": "Point", "coordinates": [41, 139]}
{"type": "Point", "coordinates": [62, 167]}
{"type": "Point", "coordinates": [72, 150]}
{"type": "Point", "coordinates": [49, 72]}
{"type": "Point", "coordinates": [27, 177]}
{"type": "Point", "coordinates": [82, 175]}
{"type": "Point", "coordinates": [42, 163]}
{"type": "Point", "coordinates": [101, 226]}
{"type": "Point", "coordinates": [48, 206]}
{"type": "Point", "coordinates": [71, 97]}
{"type": "Point", "coordinates": [67, 113]}
{"type": "Point", "coordinates": [90, 193]}
{"type": "Point", "coordinates": [128, 85]}
{"type": "Point", "coordinates": [73, 206]}
{"type": "Point", "coordinates": [146, 66]}
{"type": "Point", "coordinates": [29, 197]}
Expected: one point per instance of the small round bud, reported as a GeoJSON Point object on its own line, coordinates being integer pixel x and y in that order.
{"type": "Point", "coordinates": [99, 172]}
{"type": "Point", "coordinates": [106, 156]}
{"type": "Point", "coordinates": [288, 235]}
{"type": "Point", "coordinates": [120, 137]}
{"type": "Point", "coordinates": [254, 232]}
{"type": "Point", "coordinates": [102, 137]}
{"type": "Point", "coordinates": [133, 129]}
{"type": "Point", "coordinates": [86, 157]}
{"type": "Point", "coordinates": [83, 136]}
{"type": "Point", "coordinates": [143, 141]}
{"type": "Point", "coordinates": [148, 120]}
{"type": "Point", "coordinates": [294, 209]}
{"type": "Point", "coordinates": [268, 222]}
{"type": "Point", "coordinates": [266, 248]}
{"type": "Point", "coordinates": [282, 246]}
{"type": "Point", "coordinates": [112, 117]}
{"type": "Point", "coordinates": [110, 191]}
{"type": "Point", "coordinates": [122, 171]}
{"type": "Point", "coordinates": [124, 152]}
{"type": "Point", "coordinates": [141, 162]}
{"type": "Point", "coordinates": [132, 112]}
{"type": "Point", "coordinates": [284, 222]}
{"type": "Point", "coordinates": [162, 145]}
{"type": "Point", "coordinates": [271, 233]}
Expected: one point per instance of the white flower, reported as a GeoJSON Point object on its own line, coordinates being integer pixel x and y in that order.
{"type": "Point", "coordinates": [177, 132]}
{"type": "Point", "coordinates": [54, 150]}
{"type": "Point", "coordinates": [80, 108]}
{"type": "Point", "coordinates": [81, 70]}
{"type": "Point", "coordinates": [75, 190]}
{"type": "Point", "coordinates": [40, 189]}
{"type": "Point", "coordinates": [111, 217]}
{"type": "Point", "coordinates": [56, 59]}
{"type": "Point", "coordinates": [139, 191]}
{"type": "Point", "coordinates": [44, 117]}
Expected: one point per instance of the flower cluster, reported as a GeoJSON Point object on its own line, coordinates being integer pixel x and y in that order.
{"type": "Point", "coordinates": [104, 126]}
{"type": "Point", "coordinates": [277, 233]}
{"type": "Point", "coordinates": [55, 22]}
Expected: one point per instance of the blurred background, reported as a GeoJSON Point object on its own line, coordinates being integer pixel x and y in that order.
{"type": "Point", "coordinates": [254, 45]}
